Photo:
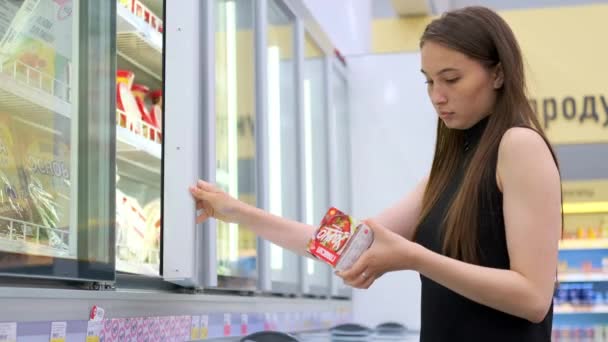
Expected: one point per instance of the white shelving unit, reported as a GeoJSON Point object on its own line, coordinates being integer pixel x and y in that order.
{"type": "Point", "coordinates": [582, 244]}
{"type": "Point", "coordinates": [28, 92]}
{"type": "Point", "coordinates": [582, 277]}
{"type": "Point", "coordinates": [583, 309]}
{"type": "Point", "coordinates": [25, 237]}
{"type": "Point", "coordinates": [138, 150]}
{"type": "Point", "coordinates": [139, 43]}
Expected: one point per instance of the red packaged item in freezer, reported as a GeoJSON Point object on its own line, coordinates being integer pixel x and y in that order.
{"type": "Point", "coordinates": [126, 107]}
{"type": "Point", "coordinates": [150, 127]}
{"type": "Point", "coordinates": [156, 112]}
{"type": "Point", "coordinates": [340, 240]}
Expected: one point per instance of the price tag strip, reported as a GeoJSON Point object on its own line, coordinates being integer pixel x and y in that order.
{"type": "Point", "coordinates": [8, 332]}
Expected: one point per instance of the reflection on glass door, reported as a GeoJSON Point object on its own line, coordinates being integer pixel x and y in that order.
{"type": "Point", "coordinates": [54, 214]}
{"type": "Point", "coordinates": [316, 155]}
{"type": "Point", "coordinates": [139, 119]}
{"type": "Point", "coordinates": [282, 138]}
{"type": "Point", "coordinates": [236, 246]}
{"type": "Point", "coordinates": [342, 140]}
{"type": "Point", "coordinates": [340, 108]}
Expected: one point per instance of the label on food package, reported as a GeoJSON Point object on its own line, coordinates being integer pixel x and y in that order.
{"type": "Point", "coordinates": [357, 244]}
{"type": "Point", "coordinates": [337, 241]}
{"type": "Point", "coordinates": [331, 236]}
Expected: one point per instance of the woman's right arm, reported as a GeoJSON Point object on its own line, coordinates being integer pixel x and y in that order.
{"type": "Point", "coordinates": [403, 216]}
{"type": "Point", "coordinates": [214, 202]}
{"type": "Point", "coordinates": [292, 235]}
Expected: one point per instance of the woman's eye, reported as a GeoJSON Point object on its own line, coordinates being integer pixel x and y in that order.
{"type": "Point", "coordinates": [453, 80]}
{"type": "Point", "coordinates": [429, 82]}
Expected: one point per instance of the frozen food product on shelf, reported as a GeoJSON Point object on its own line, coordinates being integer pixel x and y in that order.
{"type": "Point", "coordinates": [131, 243]}
{"type": "Point", "coordinates": [156, 112]}
{"type": "Point", "coordinates": [45, 157]}
{"type": "Point", "coordinates": [14, 206]}
{"type": "Point", "coordinates": [128, 114]}
{"type": "Point", "coordinates": [152, 213]}
{"type": "Point", "coordinates": [149, 126]}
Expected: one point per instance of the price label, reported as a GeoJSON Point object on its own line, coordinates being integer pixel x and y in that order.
{"type": "Point", "coordinates": [244, 323]}
{"type": "Point", "coordinates": [94, 329]}
{"type": "Point", "coordinates": [204, 327]}
{"type": "Point", "coordinates": [195, 327]}
{"type": "Point", "coordinates": [227, 319]}
{"type": "Point", "coordinates": [58, 331]}
{"type": "Point", "coordinates": [8, 332]}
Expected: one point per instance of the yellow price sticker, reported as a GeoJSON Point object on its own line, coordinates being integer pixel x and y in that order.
{"type": "Point", "coordinates": [194, 333]}
{"type": "Point", "coordinates": [94, 331]}
{"type": "Point", "coordinates": [204, 333]}
{"type": "Point", "coordinates": [58, 331]}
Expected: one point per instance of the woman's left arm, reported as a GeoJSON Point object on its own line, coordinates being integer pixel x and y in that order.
{"type": "Point", "coordinates": [531, 189]}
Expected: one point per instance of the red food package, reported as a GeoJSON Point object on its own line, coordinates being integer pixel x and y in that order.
{"type": "Point", "coordinates": [340, 240]}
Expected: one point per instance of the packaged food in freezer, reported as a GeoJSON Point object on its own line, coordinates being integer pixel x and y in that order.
{"type": "Point", "coordinates": [14, 206]}
{"type": "Point", "coordinates": [152, 212]}
{"type": "Point", "coordinates": [150, 128]}
{"type": "Point", "coordinates": [156, 112]}
{"type": "Point", "coordinates": [135, 232]}
{"type": "Point", "coordinates": [128, 116]}
{"type": "Point", "coordinates": [45, 156]}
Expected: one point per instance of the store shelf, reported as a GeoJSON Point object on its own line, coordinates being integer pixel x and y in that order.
{"type": "Point", "coordinates": [25, 237]}
{"type": "Point", "coordinates": [139, 43]}
{"type": "Point", "coordinates": [566, 309]}
{"type": "Point", "coordinates": [137, 268]}
{"type": "Point", "coordinates": [583, 277]}
{"type": "Point", "coordinates": [581, 244]}
{"type": "Point", "coordinates": [138, 151]}
{"type": "Point", "coordinates": [28, 92]}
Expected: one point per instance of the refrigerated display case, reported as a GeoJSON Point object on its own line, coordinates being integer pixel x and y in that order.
{"type": "Point", "coordinates": [86, 153]}
{"type": "Point", "coordinates": [55, 214]}
{"type": "Point", "coordinates": [139, 135]}
{"type": "Point", "coordinates": [235, 132]}
{"type": "Point", "coordinates": [316, 139]}
{"type": "Point", "coordinates": [282, 129]}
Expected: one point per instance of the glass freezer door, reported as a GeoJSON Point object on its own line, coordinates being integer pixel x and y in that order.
{"type": "Point", "coordinates": [282, 139]}
{"type": "Point", "coordinates": [139, 135]}
{"type": "Point", "coordinates": [316, 273]}
{"type": "Point", "coordinates": [55, 130]}
{"type": "Point", "coordinates": [235, 137]}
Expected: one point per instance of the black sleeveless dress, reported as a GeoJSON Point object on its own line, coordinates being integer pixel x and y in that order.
{"type": "Point", "coordinates": [448, 316]}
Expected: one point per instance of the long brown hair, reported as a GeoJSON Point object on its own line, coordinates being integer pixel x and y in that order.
{"type": "Point", "coordinates": [483, 35]}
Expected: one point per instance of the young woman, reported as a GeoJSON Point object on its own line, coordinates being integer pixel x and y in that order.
{"type": "Point", "coordinates": [483, 228]}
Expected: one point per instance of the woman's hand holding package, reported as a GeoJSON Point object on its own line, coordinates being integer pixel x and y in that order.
{"type": "Point", "coordinates": [213, 202]}
{"type": "Point", "coordinates": [389, 252]}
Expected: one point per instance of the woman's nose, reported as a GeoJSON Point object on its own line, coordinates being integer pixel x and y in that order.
{"type": "Point", "coordinates": [437, 96]}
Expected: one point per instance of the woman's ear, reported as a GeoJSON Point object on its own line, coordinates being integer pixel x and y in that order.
{"type": "Point", "coordinates": [499, 76]}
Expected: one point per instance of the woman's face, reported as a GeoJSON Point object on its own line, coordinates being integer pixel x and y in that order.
{"type": "Point", "coordinates": [462, 90]}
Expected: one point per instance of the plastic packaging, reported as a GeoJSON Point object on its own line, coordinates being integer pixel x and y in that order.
{"type": "Point", "coordinates": [128, 115]}
{"type": "Point", "coordinates": [340, 240]}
